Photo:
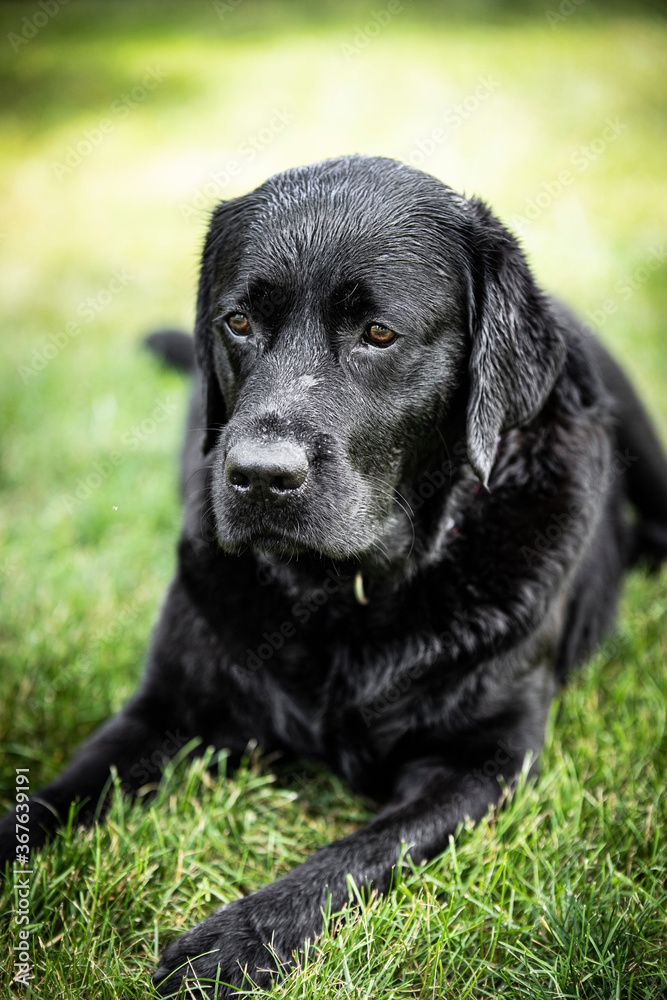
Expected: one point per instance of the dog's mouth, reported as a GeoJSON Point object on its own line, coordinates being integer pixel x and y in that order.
{"type": "Point", "coordinates": [266, 540]}
{"type": "Point", "coordinates": [316, 526]}
{"type": "Point", "coordinates": [268, 535]}
{"type": "Point", "coordinates": [341, 524]}
{"type": "Point", "coordinates": [282, 498]}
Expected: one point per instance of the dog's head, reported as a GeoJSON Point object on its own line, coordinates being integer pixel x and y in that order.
{"type": "Point", "coordinates": [353, 317]}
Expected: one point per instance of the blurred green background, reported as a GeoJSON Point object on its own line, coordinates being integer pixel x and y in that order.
{"type": "Point", "coordinates": [122, 125]}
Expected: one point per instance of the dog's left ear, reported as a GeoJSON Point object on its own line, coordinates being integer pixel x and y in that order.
{"type": "Point", "coordinates": [221, 243]}
{"type": "Point", "coordinates": [516, 348]}
{"type": "Point", "coordinates": [213, 404]}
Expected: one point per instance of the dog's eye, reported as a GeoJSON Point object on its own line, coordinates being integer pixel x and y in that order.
{"type": "Point", "coordinates": [379, 336]}
{"type": "Point", "coordinates": [240, 324]}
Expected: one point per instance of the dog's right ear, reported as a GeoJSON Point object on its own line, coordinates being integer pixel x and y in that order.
{"type": "Point", "coordinates": [217, 240]}
{"type": "Point", "coordinates": [517, 349]}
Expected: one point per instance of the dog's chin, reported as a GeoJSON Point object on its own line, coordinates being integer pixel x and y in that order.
{"type": "Point", "coordinates": [286, 546]}
{"type": "Point", "coordinates": [344, 543]}
{"type": "Point", "coordinates": [370, 539]}
{"type": "Point", "coordinates": [367, 551]}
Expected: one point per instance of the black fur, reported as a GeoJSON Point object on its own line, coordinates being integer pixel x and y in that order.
{"type": "Point", "coordinates": [391, 555]}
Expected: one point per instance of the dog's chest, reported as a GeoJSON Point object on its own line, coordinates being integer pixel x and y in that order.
{"type": "Point", "coordinates": [320, 701]}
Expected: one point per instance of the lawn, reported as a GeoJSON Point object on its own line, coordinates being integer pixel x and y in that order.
{"type": "Point", "coordinates": [122, 125]}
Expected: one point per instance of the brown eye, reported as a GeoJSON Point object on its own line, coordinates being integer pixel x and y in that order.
{"type": "Point", "coordinates": [380, 336]}
{"type": "Point", "coordinates": [239, 324]}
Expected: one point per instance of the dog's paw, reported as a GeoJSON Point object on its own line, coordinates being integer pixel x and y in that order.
{"type": "Point", "coordinates": [217, 958]}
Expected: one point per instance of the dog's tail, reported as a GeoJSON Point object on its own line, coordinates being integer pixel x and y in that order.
{"type": "Point", "coordinates": [175, 348]}
{"type": "Point", "coordinates": [641, 455]}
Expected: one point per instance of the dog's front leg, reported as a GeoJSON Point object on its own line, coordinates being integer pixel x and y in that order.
{"type": "Point", "coordinates": [161, 719]}
{"type": "Point", "coordinates": [230, 947]}
{"type": "Point", "coordinates": [135, 742]}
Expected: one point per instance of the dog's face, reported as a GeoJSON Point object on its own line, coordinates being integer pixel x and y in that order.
{"type": "Point", "coordinates": [341, 334]}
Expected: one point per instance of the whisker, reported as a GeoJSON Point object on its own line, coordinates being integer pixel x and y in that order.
{"type": "Point", "coordinates": [393, 493]}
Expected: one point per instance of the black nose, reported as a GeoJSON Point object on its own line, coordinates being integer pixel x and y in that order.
{"type": "Point", "coordinates": [266, 472]}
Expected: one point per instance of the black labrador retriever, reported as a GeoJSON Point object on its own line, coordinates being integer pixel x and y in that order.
{"type": "Point", "coordinates": [427, 463]}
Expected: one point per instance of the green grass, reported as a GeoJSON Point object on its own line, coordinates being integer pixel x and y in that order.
{"type": "Point", "coordinates": [562, 895]}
